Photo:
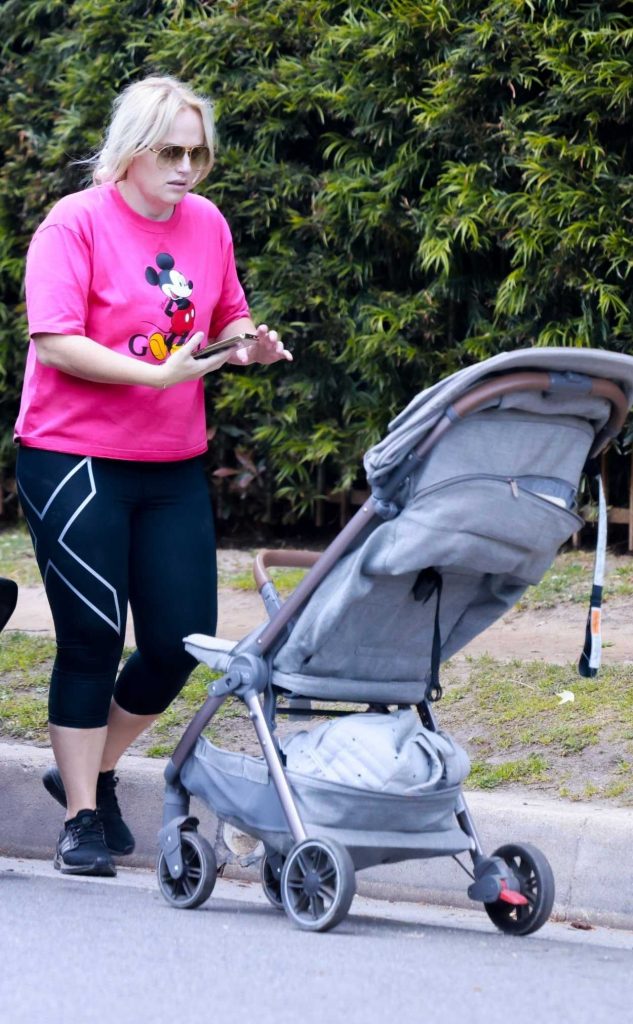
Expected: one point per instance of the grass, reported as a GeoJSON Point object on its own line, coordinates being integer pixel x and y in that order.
{"type": "Point", "coordinates": [524, 771]}
{"type": "Point", "coordinates": [23, 656]}
{"type": "Point", "coordinates": [17, 560]}
{"type": "Point", "coordinates": [285, 580]}
{"type": "Point", "coordinates": [569, 580]}
{"type": "Point", "coordinates": [508, 716]}
{"type": "Point", "coordinates": [25, 668]}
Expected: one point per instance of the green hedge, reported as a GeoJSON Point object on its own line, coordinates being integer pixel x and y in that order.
{"type": "Point", "coordinates": [411, 185]}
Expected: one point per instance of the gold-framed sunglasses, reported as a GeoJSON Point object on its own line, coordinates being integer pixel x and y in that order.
{"type": "Point", "coordinates": [170, 156]}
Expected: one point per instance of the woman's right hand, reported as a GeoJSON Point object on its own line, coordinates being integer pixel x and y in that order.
{"type": "Point", "coordinates": [82, 357]}
{"type": "Point", "coordinates": [181, 366]}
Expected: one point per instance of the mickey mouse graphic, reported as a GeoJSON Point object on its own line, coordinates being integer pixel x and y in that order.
{"type": "Point", "coordinates": [179, 308]}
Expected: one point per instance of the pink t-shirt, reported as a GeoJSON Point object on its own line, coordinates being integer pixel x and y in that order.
{"type": "Point", "coordinates": [97, 268]}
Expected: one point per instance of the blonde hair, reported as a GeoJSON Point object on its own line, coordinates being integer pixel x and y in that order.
{"type": "Point", "coordinates": [142, 114]}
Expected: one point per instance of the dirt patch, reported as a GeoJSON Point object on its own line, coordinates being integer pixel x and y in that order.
{"type": "Point", "coordinates": [556, 635]}
{"type": "Point", "coordinates": [502, 692]}
{"type": "Point", "coordinates": [548, 627]}
{"type": "Point", "coordinates": [577, 750]}
{"type": "Point", "coordinates": [552, 632]}
{"type": "Point", "coordinates": [507, 702]}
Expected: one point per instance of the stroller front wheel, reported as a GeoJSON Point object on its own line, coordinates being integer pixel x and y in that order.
{"type": "Point", "coordinates": [534, 874]}
{"type": "Point", "coordinates": [198, 877]}
{"type": "Point", "coordinates": [318, 884]}
{"type": "Point", "coordinates": [271, 869]}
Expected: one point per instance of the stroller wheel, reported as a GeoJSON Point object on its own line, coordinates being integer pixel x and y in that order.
{"type": "Point", "coordinates": [198, 876]}
{"type": "Point", "coordinates": [317, 884]}
{"type": "Point", "coordinates": [535, 877]}
{"type": "Point", "coordinates": [271, 869]}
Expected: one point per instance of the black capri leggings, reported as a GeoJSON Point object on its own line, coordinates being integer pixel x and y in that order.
{"type": "Point", "coordinates": [107, 532]}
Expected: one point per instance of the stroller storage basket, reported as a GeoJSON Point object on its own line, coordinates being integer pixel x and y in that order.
{"type": "Point", "coordinates": [240, 790]}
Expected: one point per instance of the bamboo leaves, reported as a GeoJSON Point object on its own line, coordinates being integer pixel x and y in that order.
{"type": "Point", "coordinates": [411, 184]}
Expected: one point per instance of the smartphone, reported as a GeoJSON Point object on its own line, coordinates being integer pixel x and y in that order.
{"type": "Point", "coordinates": [237, 341]}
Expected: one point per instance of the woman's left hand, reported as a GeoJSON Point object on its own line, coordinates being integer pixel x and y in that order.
{"type": "Point", "coordinates": [267, 349]}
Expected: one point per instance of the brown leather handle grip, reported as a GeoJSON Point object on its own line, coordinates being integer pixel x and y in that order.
{"type": "Point", "coordinates": [281, 558]}
{"type": "Point", "coordinates": [530, 381]}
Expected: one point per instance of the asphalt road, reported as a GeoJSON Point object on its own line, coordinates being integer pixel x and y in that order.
{"type": "Point", "coordinates": [84, 950]}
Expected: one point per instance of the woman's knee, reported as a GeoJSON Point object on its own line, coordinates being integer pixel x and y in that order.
{"type": "Point", "coordinates": [80, 700]}
{"type": "Point", "coordinates": [83, 678]}
{"type": "Point", "coordinates": [148, 683]}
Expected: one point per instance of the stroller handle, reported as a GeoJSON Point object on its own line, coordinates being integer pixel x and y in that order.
{"type": "Point", "coordinates": [536, 381]}
{"type": "Point", "coordinates": [289, 558]}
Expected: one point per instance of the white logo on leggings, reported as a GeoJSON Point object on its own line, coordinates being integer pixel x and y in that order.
{"type": "Point", "coordinates": [114, 621]}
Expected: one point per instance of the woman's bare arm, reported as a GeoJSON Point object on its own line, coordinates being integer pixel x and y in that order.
{"type": "Point", "coordinates": [85, 358]}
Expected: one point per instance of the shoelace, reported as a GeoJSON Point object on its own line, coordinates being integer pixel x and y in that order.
{"type": "Point", "coordinates": [87, 830]}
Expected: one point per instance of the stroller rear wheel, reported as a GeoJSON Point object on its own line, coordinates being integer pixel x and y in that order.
{"type": "Point", "coordinates": [317, 884]}
{"type": "Point", "coordinates": [271, 869]}
{"type": "Point", "coordinates": [534, 874]}
{"type": "Point", "coordinates": [198, 877]}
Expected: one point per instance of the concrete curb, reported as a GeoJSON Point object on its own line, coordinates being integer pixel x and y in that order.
{"type": "Point", "coordinates": [589, 846]}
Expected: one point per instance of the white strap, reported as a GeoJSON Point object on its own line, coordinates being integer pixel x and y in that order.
{"type": "Point", "coordinates": [592, 653]}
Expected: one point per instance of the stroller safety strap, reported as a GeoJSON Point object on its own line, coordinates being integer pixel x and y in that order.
{"type": "Point", "coordinates": [592, 651]}
{"type": "Point", "coordinates": [429, 582]}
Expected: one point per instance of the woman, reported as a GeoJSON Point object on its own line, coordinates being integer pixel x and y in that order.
{"type": "Point", "coordinates": [125, 281]}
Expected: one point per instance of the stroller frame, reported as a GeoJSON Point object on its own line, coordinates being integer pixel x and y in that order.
{"type": "Point", "coordinates": [314, 884]}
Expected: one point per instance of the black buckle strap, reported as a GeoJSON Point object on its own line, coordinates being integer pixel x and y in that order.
{"type": "Point", "coordinates": [429, 582]}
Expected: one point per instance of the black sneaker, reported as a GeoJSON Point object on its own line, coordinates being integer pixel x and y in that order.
{"type": "Point", "coordinates": [118, 837]}
{"type": "Point", "coordinates": [81, 848]}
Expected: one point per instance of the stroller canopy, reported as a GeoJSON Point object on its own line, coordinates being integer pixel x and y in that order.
{"type": "Point", "coordinates": [421, 415]}
{"type": "Point", "coordinates": [473, 523]}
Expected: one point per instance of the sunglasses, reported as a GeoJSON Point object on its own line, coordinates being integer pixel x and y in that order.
{"type": "Point", "coordinates": [170, 156]}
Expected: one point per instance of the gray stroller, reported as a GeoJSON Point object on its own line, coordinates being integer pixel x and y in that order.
{"type": "Point", "coordinates": [473, 492]}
